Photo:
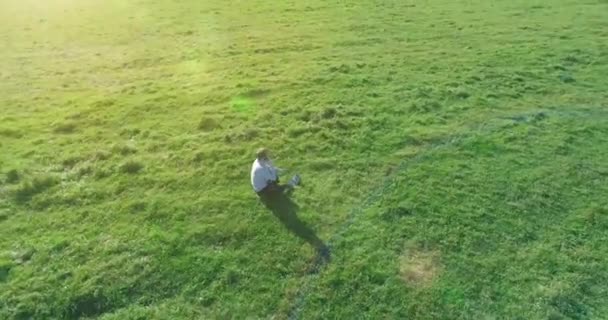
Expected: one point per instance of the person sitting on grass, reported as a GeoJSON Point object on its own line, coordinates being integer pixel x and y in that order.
{"type": "Point", "coordinates": [265, 176]}
{"type": "Point", "coordinates": [265, 182]}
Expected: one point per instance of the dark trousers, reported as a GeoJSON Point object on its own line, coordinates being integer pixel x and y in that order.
{"type": "Point", "coordinates": [273, 189]}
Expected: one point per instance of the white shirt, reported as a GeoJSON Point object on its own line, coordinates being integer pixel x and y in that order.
{"type": "Point", "coordinates": [262, 171]}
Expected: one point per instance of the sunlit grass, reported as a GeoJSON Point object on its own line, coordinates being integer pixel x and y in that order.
{"type": "Point", "coordinates": [452, 152]}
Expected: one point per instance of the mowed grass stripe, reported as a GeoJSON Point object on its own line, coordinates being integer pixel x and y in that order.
{"type": "Point", "coordinates": [373, 232]}
{"type": "Point", "coordinates": [388, 183]}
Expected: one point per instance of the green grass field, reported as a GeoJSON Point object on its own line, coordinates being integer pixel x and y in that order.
{"type": "Point", "coordinates": [454, 157]}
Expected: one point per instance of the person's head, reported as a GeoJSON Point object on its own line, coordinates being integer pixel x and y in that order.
{"type": "Point", "coordinates": [262, 154]}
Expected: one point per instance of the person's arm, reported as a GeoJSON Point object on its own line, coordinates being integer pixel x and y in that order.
{"type": "Point", "coordinates": [275, 168]}
{"type": "Point", "coordinates": [270, 175]}
{"type": "Point", "coordinates": [273, 172]}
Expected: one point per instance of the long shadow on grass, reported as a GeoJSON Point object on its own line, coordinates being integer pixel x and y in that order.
{"type": "Point", "coordinates": [281, 205]}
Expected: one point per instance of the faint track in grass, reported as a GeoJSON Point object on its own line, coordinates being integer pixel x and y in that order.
{"type": "Point", "coordinates": [528, 117]}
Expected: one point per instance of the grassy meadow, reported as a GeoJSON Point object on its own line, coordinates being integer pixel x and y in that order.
{"type": "Point", "coordinates": [454, 156]}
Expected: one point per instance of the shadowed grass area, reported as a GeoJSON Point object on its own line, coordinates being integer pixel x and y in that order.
{"type": "Point", "coordinates": [453, 154]}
